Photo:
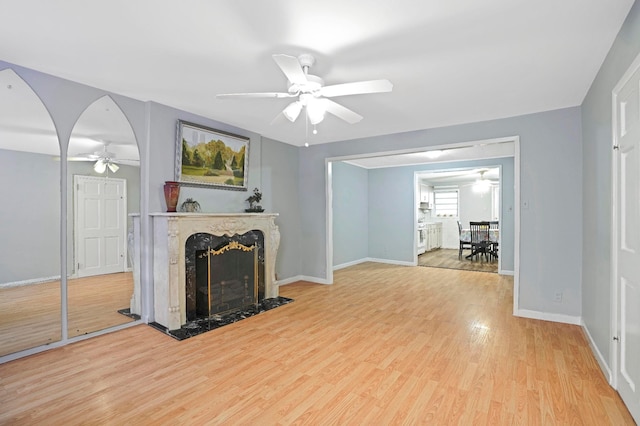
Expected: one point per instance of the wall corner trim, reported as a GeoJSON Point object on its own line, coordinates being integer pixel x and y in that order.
{"type": "Point", "coordinates": [297, 278]}
{"type": "Point", "coordinates": [547, 316]}
{"type": "Point", "coordinates": [606, 370]}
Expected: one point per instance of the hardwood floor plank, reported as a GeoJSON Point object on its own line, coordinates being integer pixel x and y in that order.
{"type": "Point", "coordinates": [385, 344]}
{"type": "Point", "coordinates": [448, 258]}
{"type": "Point", "coordinates": [30, 315]}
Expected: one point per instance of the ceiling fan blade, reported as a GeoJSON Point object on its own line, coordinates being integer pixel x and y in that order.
{"type": "Point", "coordinates": [341, 112]}
{"type": "Point", "coordinates": [291, 67]}
{"type": "Point", "coordinates": [83, 157]}
{"type": "Point", "coordinates": [256, 95]}
{"type": "Point", "coordinates": [357, 88]}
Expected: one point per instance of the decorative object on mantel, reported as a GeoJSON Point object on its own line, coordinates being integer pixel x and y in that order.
{"type": "Point", "coordinates": [190, 206]}
{"type": "Point", "coordinates": [253, 200]}
{"type": "Point", "coordinates": [171, 194]}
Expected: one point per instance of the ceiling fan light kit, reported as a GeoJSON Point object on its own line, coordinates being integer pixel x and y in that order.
{"type": "Point", "coordinates": [292, 111]}
{"type": "Point", "coordinates": [311, 92]}
{"type": "Point", "coordinates": [482, 184]}
{"type": "Point", "coordinates": [101, 166]}
{"type": "Point", "coordinates": [103, 159]}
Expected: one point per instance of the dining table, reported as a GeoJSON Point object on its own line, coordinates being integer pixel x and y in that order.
{"type": "Point", "coordinates": [494, 235]}
{"type": "Point", "coordinates": [465, 235]}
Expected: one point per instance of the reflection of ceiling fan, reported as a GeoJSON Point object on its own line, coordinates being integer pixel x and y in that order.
{"type": "Point", "coordinates": [103, 159]}
{"type": "Point", "coordinates": [311, 92]}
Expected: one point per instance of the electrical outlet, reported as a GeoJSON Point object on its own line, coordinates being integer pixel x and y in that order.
{"type": "Point", "coordinates": [557, 297]}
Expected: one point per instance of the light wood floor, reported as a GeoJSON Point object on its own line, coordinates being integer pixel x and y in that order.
{"type": "Point", "coordinates": [384, 345]}
{"type": "Point", "coordinates": [448, 258]}
{"type": "Point", "coordinates": [30, 315]}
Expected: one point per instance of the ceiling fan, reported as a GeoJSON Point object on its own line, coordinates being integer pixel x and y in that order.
{"type": "Point", "coordinates": [103, 159]}
{"type": "Point", "coordinates": [312, 94]}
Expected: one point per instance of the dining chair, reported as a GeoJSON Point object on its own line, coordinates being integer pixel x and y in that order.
{"type": "Point", "coordinates": [494, 224]}
{"type": "Point", "coordinates": [465, 243]}
{"type": "Point", "coordinates": [480, 243]}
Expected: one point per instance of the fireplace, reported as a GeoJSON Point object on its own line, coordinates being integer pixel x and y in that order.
{"type": "Point", "coordinates": [207, 264]}
{"type": "Point", "coordinates": [223, 273]}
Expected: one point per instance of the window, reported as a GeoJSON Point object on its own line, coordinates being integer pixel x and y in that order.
{"type": "Point", "coordinates": [446, 202]}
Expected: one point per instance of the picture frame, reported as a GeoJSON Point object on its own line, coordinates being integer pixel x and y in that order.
{"type": "Point", "coordinates": [211, 158]}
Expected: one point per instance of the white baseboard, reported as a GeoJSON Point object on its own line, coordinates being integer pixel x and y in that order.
{"type": "Point", "coordinates": [353, 263]}
{"type": "Point", "coordinates": [546, 316]}
{"type": "Point", "coordinates": [301, 278]}
{"type": "Point", "coordinates": [373, 259]}
{"type": "Point", "coordinates": [505, 272]}
{"type": "Point", "coordinates": [391, 262]}
{"type": "Point", "coordinates": [601, 361]}
{"type": "Point", "coordinates": [30, 282]}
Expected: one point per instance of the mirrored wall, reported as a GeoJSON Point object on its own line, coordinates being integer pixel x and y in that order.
{"type": "Point", "coordinates": [103, 175]}
{"type": "Point", "coordinates": [103, 191]}
{"type": "Point", "coordinates": [30, 305]}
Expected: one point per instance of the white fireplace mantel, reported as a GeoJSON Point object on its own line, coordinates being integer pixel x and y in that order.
{"type": "Point", "coordinates": [170, 233]}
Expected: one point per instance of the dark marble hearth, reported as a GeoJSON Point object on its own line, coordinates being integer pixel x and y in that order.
{"type": "Point", "coordinates": [127, 312]}
{"type": "Point", "coordinates": [199, 326]}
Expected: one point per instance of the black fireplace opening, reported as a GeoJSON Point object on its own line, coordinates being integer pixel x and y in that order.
{"type": "Point", "coordinates": [223, 273]}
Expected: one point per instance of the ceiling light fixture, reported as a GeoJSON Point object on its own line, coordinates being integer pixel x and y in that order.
{"type": "Point", "coordinates": [101, 166]}
{"type": "Point", "coordinates": [433, 154]}
{"type": "Point", "coordinates": [315, 110]}
{"type": "Point", "coordinates": [292, 111]}
{"type": "Point", "coordinates": [482, 184]}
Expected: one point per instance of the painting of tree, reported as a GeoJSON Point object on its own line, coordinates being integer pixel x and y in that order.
{"type": "Point", "coordinates": [211, 157]}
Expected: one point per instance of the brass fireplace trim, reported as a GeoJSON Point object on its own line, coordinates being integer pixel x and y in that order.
{"type": "Point", "coordinates": [232, 245]}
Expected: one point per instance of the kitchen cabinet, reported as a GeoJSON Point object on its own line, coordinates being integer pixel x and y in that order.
{"type": "Point", "coordinates": [426, 195]}
{"type": "Point", "coordinates": [433, 238]}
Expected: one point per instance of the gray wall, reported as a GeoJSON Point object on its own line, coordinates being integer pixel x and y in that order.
{"type": "Point", "coordinates": [162, 142]}
{"type": "Point", "coordinates": [350, 192]}
{"type": "Point", "coordinates": [280, 194]}
{"type": "Point", "coordinates": [154, 126]}
{"type": "Point", "coordinates": [596, 186]}
{"type": "Point", "coordinates": [29, 217]}
{"type": "Point", "coordinates": [550, 181]}
{"type": "Point", "coordinates": [392, 209]}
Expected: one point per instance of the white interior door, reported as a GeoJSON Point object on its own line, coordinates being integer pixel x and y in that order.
{"type": "Point", "coordinates": [100, 225]}
{"type": "Point", "coordinates": [627, 241]}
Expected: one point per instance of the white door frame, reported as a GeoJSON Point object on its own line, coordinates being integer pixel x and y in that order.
{"type": "Point", "coordinates": [516, 207]}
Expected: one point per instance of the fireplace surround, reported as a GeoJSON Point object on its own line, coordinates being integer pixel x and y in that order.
{"type": "Point", "coordinates": [171, 231]}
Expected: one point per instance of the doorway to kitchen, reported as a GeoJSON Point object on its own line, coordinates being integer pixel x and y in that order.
{"type": "Point", "coordinates": [449, 200]}
{"type": "Point", "coordinates": [373, 197]}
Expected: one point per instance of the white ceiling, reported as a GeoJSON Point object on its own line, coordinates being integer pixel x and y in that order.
{"type": "Point", "coordinates": [477, 151]}
{"type": "Point", "coordinates": [460, 176]}
{"type": "Point", "coordinates": [450, 62]}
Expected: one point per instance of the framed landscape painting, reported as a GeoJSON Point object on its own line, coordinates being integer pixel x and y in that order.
{"type": "Point", "coordinates": [209, 157]}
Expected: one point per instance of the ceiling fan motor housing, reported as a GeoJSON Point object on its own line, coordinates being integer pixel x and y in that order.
{"type": "Point", "coordinates": [306, 61]}
{"type": "Point", "coordinates": [312, 86]}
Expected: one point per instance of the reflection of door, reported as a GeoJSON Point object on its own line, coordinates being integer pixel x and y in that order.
{"type": "Point", "coordinates": [627, 240]}
{"type": "Point", "coordinates": [100, 225]}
